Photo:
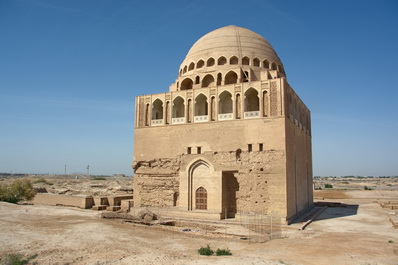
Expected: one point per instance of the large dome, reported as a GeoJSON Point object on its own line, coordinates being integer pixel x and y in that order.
{"type": "Point", "coordinates": [231, 41]}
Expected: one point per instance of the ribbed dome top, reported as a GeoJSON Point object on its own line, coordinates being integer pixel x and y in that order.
{"type": "Point", "coordinates": [231, 41]}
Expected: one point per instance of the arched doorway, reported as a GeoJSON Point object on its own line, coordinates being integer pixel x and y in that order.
{"type": "Point", "coordinates": [201, 199]}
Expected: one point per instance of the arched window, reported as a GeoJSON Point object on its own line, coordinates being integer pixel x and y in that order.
{"type": "Point", "coordinates": [245, 61]}
{"type": "Point", "coordinates": [231, 78]}
{"type": "Point", "coordinates": [225, 103]}
{"type": "Point", "coordinates": [256, 62]}
{"type": "Point", "coordinates": [180, 72]}
{"type": "Point", "coordinates": [210, 62]}
{"type": "Point", "coordinates": [266, 64]}
{"type": "Point", "coordinates": [197, 80]}
{"type": "Point", "coordinates": [273, 66]}
{"type": "Point", "coordinates": [186, 84]}
{"type": "Point", "coordinates": [191, 66]}
{"type": "Point", "coordinates": [157, 110]}
{"type": "Point", "coordinates": [185, 69]}
{"type": "Point", "coordinates": [207, 81]}
{"type": "Point", "coordinates": [200, 64]}
{"type": "Point", "coordinates": [251, 100]}
{"type": "Point", "coordinates": [233, 60]}
{"type": "Point", "coordinates": [222, 60]}
{"type": "Point", "coordinates": [201, 199]}
{"type": "Point", "coordinates": [178, 107]}
{"type": "Point", "coordinates": [201, 105]}
{"type": "Point", "coordinates": [219, 79]}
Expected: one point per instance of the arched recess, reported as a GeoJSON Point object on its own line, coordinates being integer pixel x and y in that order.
{"type": "Point", "coordinates": [245, 60]}
{"type": "Point", "coordinates": [219, 79]}
{"type": "Point", "coordinates": [147, 115]}
{"type": "Point", "coordinates": [231, 78]}
{"type": "Point", "coordinates": [178, 107]}
{"type": "Point", "coordinates": [273, 66]}
{"type": "Point", "coordinates": [157, 110]}
{"type": "Point", "coordinates": [238, 106]}
{"type": "Point", "coordinates": [256, 62]}
{"type": "Point", "coordinates": [251, 100]}
{"type": "Point", "coordinates": [201, 105]}
{"type": "Point", "coordinates": [210, 62]}
{"type": "Point", "coordinates": [200, 64]}
{"type": "Point", "coordinates": [189, 110]}
{"type": "Point", "coordinates": [207, 81]}
{"type": "Point", "coordinates": [222, 60]}
{"type": "Point", "coordinates": [201, 199]}
{"type": "Point", "coordinates": [185, 69]}
{"type": "Point", "coordinates": [233, 60]}
{"type": "Point", "coordinates": [180, 72]}
{"type": "Point", "coordinates": [265, 103]}
{"type": "Point", "coordinates": [168, 112]}
{"type": "Point", "coordinates": [186, 84]}
{"type": "Point", "coordinates": [266, 64]}
{"type": "Point", "coordinates": [191, 66]}
{"type": "Point", "coordinates": [199, 175]}
{"type": "Point", "coordinates": [225, 103]}
{"type": "Point", "coordinates": [197, 80]}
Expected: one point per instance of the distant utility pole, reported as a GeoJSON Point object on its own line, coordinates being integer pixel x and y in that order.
{"type": "Point", "coordinates": [65, 170]}
{"type": "Point", "coordinates": [88, 170]}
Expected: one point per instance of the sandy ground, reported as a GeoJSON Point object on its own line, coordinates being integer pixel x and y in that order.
{"type": "Point", "coordinates": [357, 234]}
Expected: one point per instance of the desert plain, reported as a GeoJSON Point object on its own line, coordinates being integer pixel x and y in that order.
{"type": "Point", "coordinates": [358, 232]}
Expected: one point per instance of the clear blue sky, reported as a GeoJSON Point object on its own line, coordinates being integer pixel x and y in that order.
{"type": "Point", "coordinates": [70, 69]}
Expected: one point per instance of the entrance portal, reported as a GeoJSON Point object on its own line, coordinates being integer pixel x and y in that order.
{"type": "Point", "coordinates": [230, 186]}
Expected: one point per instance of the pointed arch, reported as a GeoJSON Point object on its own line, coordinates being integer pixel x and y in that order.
{"type": "Point", "coordinates": [185, 69]}
{"type": "Point", "coordinates": [207, 81]}
{"type": "Point", "coordinates": [225, 103]}
{"type": "Point", "coordinates": [222, 60]}
{"type": "Point", "coordinates": [178, 107]}
{"type": "Point", "coordinates": [273, 66]}
{"type": "Point", "coordinates": [251, 100]}
{"type": "Point", "coordinates": [200, 64]}
{"type": "Point", "coordinates": [233, 60]}
{"type": "Point", "coordinates": [256, 62]}
{"type": "Point", "coordinates": [231, 78]}
{"type": "Point", "coordinates": [191, 66]}
{"type": "Point", "coordinates": [201, 105]}
{"type": "Point", "coordinates": [186, 84]}
{"type": "Point", "coordinates": [210, 61]}
{"type": "Point", "coordinates": [266, 64]}
{"type": "Point", "coordinates": [245, 61]}
{"type": "Point", "coordinates": [157, 109]}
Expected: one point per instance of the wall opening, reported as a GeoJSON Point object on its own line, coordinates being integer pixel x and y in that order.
{"type": "Point", "coordinates": [201, 199]}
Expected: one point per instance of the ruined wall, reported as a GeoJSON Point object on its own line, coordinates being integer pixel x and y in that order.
{"type": "Point", "coordinates": [156, 182]}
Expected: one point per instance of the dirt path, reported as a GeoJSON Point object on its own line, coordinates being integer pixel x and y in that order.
{"type": "Point", "coordinates": [60, 235]}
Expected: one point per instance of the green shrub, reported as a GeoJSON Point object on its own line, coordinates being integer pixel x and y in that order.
{"type": "Point", "coordinates": [42, 180]}
{"type": "Point", "coordinates": [367, 188]}
{"type": "Point", "coordinates": [20, 189]}
{"type": "Point", "coordinates": [207, 251]}
{"type": "Point", "coordinates": [390, 241]}
{"type": "Point", "coordinates": [328, 186]}
{"type": "Point", "coordinates": [98, 178]}
{"type": "Point", "coordinates": [223, 252]}
{"type": "Point", "coordinates": [17, 259]}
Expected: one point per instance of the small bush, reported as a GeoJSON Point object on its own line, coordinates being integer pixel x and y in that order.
{"type": "Point", "coordinates": [390, 241]}
{"type": "Point", "coordinates": [20, 189]}
{"type": "Point", "coordinates": [42, 180]}
{"type": "Point", "coordinates": [17, 259]}
{"type": "Point", "coordinates": [207, 251]}
{"type": "Point", "coordinates": [367, 188]}
{"type": "Point", "coordinates": [99, 178]}
{"type": "Point", "coordinates": [328, 186]}
{"type": "Point", "coordinates": [223, 252]}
